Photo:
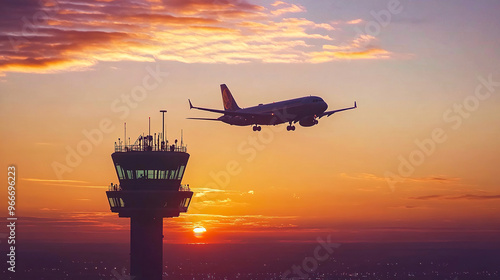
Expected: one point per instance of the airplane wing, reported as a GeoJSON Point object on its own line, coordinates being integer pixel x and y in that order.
{"type": "Point", "coordinates": [329, 113]}
{"type": "Point", "coordinates": [230, 113]}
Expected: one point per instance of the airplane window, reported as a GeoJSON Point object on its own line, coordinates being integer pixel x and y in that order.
{"type": "Point", "coordinates": [151, 174]}
{"type": "Point", "coordinates": [122, 204]}
{"type": "Point", "coordinates": [130, 174]}
{"type": "Point", "coordinates": [139, 174]}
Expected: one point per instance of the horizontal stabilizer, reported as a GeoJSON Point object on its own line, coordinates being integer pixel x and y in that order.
{"type": "Point", "coordinates": [231, 113]}
{"type": "Point", "coordinates": [203, 119]}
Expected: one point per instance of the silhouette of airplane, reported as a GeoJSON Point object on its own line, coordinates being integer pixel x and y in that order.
{"type": "Point", "coordinates": [304, 110]}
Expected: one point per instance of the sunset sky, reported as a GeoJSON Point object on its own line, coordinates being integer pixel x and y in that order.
{"type": "Point", "coordinates": [416, 161]}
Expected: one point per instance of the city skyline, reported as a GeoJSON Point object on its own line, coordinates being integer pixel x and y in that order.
{"type": "Point", "coordinates": [416, 161]}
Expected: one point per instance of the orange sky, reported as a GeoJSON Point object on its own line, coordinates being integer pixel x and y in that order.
{"type": "Point", "coordinates": [426, 83]}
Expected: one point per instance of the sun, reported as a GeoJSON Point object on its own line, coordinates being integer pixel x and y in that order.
{"type": "Point", "coordinates": [199, 231]}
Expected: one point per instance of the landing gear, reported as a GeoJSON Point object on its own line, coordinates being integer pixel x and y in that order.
{"type": "Point", "coordinates": [256, 128]}
{"type": "Point", "coordinates": [290, 127]}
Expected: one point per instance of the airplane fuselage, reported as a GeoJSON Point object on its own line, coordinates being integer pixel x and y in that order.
{"type": "Point", "coordinates": [279, 112]}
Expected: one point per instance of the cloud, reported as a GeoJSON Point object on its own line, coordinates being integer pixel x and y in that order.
{"type": "Point", "coordinates": [475, 197]}
{"type": "Point", "coordinates": [52, 36]}
{"type": "Point", "coordinates": [427, 197]}
{"type": "Point", "coordinates": [438, 179]}
{"type": "Point", "coordinates": [374, 177]}
{"type": "Point", "coordinates": [52, 180]}
{"type": "Point", "coordinates": [226, 202]}
{"type": "Point", "coordinates": [285, 8]}
{"type": "Point", "coordinates": [363, 176]}
{"type": "Point", "coordinates": [361, 47]}
{"type": "Point", "coordinates": [241, 222]}
{"type": "Point", "coordinates": [355, 21]}
{"type": "Point", "coordinates": [74, 221]}
{"type": "Point", "coordinates": [460, 197]}
{"type": "Point", "coordinates": [48, 209]}
{"type": "Point", "coordinates": [64, 183]}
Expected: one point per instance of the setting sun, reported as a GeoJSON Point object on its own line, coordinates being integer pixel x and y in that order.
{"type": "Point", "coordinates": [199, 230]}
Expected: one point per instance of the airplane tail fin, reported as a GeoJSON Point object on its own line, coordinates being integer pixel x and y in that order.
{"type": "Point", "coordinates": [227, 99]}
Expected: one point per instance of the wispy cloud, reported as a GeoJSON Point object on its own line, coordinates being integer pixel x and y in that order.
{"type": "Point", "coordinates": [52, 180]}
{"type": "Point", "coordinates": [50, 36]}
{"type": "Point", "coordinates": [64, 183]}
{"type": "Point", "coordinates": [428, 197]}
{"type": "Point", "coordinates": [355, 21]}
{"type": "Point", "coordinates": [240, 222]}
{"type": "Point", "coordinates": [361, 47]}
{"type": "Point", "coordinates": [459, 197]}
{"type": "Point", "coordinates": [429, 179]}
{"type": "Point", "coordinates": [284, 8]}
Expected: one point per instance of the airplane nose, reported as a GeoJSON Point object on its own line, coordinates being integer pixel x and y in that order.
{"type": "Point", "coordinates": [324, 106]}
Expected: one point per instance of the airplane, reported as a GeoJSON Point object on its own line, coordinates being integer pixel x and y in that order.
{"type": "Point", "coordinates": [304, 110]}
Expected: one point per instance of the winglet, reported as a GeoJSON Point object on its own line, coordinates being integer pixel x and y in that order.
{"type": "Point", "coordinates": [190, 105]}
{"type": "Point", "coordinates": [355, 106]}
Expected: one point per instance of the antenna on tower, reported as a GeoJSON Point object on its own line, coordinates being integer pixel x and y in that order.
{"type": "Point", "coordinates": [125, 134]}
{"type": "Point", "coordinates": [182, 139]}
{"type": "Point", "coordinates": [163, 127]}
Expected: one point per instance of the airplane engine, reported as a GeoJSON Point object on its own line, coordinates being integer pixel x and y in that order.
{"type": "Point", "coordinates": [308, 121]}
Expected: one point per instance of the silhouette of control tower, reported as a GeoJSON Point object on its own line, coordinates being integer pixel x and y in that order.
{"type": "Point", "coordinates": [150, 173]}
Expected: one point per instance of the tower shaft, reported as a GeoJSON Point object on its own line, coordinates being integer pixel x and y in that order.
{"type": "Point", "coordinates": [146, 247]}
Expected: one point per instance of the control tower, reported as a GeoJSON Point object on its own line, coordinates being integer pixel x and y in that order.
{"type": "Point", "coordinates": [150, 173]}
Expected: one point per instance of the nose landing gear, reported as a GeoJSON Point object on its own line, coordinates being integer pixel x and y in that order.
{"type": "Point", "coordinates": [256, 128]}
{"type": "Point", "coordinates": [290, 127]}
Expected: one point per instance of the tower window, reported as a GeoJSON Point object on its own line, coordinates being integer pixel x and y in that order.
{"type": "Point", "coordinates": [181, 171]}
{"type": "Point", "coordinates": [151, 174]}
{"type": "Point", "coordinates": [172, 174]}
{"type": "Point", "coordinates": [111, 202]}
{"type": "Point", "coordinates": [120, 171]}
{"type": "Point", "coordinates": [186, 202]}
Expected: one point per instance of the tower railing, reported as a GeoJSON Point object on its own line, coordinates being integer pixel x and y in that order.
{"type": "Point", "coordinates": [156, 148]}
{"type": "Point", "coordinates": [116, 188]}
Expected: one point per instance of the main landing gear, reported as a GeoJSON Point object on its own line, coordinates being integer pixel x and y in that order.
{"type": "Point", "coordinates": [290, 127]}
{"type": "Point", "coordinates": [256, 128]}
